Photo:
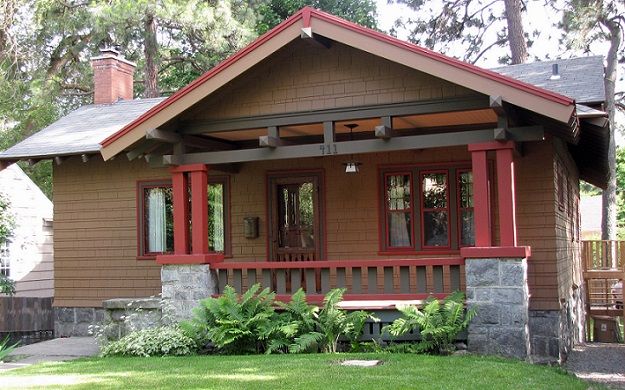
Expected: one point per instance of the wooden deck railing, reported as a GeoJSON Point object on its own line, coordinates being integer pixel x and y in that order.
{"type": "Point", "coordinates": [603, 254]}
{"type": "Point", "coordinates": [385, 279]}
{"type": "Point", "coordinates": [604, 268]}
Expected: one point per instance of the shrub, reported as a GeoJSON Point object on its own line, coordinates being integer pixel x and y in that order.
{"type": "Point", "coordinates": [296, 319]}
{"type": "Point", "coordinates": [7, 286]}
{"type": "Point", "coordinates": [439, 323]}
{"type": "Point", "coordinates": [234, 325]}
{"type": "Point", "coordinates": [332, 323]}
{"type": "Point", "coordinates": [5, 348]}
{"type": "Point", "coordinates": [160, 341]}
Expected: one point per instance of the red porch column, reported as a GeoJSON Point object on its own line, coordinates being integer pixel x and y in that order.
{"type": "Point", "coordinates": [195, 250]}
{"type": "Point", "coordinates": [481, 198]}
{"type": "Point", "coordinates": [181, 211]}
{"type": "Point", "coordinates": [506, 196]}
{"type": "Point", "coordinates": [506, 202]}
{"type": "Point", "coordinates": [199, 208]}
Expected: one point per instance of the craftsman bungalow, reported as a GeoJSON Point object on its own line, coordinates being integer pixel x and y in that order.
{"type": "Point", "coordinates": [325, 155]}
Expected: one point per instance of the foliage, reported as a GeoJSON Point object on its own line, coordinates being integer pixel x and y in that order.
{"type": "Point", "coordinates": [233, 325]}
{"type": "Point", "coordinates": [7, 220]}
{"type": "Point", "coordinates": [7, 224]}
{"type": "Point", "coordinates": [471, 28]}
{"type": "Point", "coordinates": [272, 12]}
{"type": "Point", "coordinates": [6, 348]}
{"type": "Point", "coordinates": [250, 324]}
{"type": "Point", "coordinates": [332, 323]}
{"type": "Point", "coordinates": [7, 286]}
{"type": "Point", "coordinates": [439, 322]}
{"type": "Point", "coordinates": [297, 318]}
{"type": "Point", "coordinates": [160, 341]}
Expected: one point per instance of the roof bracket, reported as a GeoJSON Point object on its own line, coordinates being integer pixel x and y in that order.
{"type": "Point", "coordinates": [272, 139]}
{"type": "Point", "coordinates": [385, 130]}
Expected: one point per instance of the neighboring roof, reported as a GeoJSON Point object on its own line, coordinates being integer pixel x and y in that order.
{"type": "Point", "coordinates": [80, 131]}
{"type": "Point", "coordinates": [580, 78]}
{"type": "Point", "coordinates": [533, 98]}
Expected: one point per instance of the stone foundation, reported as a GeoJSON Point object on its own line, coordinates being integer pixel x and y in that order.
{"type": "Point", "coordinates": [544, 327]}
{"type": "Point", "coordinates": [184, 286]}
{"type": "Point", "coordinates": [497, 289]}
{"type": "Point", "coordinates": [554, 332]}
{"type": "Point", "coordinates": [125, 315]}
{"type": "Point", "coordinates": [76, 321]}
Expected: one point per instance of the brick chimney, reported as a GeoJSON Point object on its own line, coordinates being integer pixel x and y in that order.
{"type": "Point", "coordinates": [112, 77]}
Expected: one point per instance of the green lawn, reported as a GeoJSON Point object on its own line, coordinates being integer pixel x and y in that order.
{"type": "Point", "coordinates": [319, 371]}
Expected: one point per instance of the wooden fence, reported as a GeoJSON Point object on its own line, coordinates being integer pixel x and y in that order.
{"type": "Point", "coordinates": [26, 318]}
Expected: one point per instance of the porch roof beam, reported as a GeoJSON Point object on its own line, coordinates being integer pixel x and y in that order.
{"type": "Point", "coordinates": [339, 114]}
{"type": "Point", "coordinates": [519, 134]}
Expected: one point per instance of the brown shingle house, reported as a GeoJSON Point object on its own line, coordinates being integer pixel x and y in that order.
{"type": "Point", "coordinates": [328, 155]}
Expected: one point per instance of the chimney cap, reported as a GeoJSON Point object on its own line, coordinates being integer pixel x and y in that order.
{"type": "Point", "coordinates": [108, 49]}
{"type": "Point", "coordinates": [112, 52]}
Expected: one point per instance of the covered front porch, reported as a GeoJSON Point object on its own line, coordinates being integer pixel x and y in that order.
{"type": "Point", "coordinates": [400, 228]}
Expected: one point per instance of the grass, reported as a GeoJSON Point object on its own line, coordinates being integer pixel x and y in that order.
{"type": "Point", "coordinates": [319, 371]}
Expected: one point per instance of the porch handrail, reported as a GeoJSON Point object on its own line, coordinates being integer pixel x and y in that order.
{"type": "Point", "coordinates": [339, 263]}
{"type": "Point", "coordinates": [603, 254]}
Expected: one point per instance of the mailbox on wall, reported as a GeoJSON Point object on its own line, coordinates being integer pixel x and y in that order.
{"type": "Point", "coordinates": [250, 227]}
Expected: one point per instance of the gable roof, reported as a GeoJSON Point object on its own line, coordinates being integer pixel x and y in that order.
{"type": "Point", "coordinates": [580, 78]}
{"type": "Point", "coordinates": [80, 131]}
{"type": "Point", "coordinates": [544, 102]}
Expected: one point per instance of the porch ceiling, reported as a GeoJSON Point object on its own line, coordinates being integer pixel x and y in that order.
{"type": "Point", "coordinates": [365, 127]}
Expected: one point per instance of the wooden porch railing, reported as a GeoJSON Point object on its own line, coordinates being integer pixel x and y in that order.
{"type": "Point", "coordinates": [604, 269]}
{"type": "Point", "coordinates": [365, 280]}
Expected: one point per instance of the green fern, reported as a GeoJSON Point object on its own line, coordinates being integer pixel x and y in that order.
{"type": "Point", "coordinates": [233, 324]}
{"type": "Point", "coordinates": [438, 322]}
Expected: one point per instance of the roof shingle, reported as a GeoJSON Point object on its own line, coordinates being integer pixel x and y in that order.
{"type": "Point", "coordinates": [80, 131]}
{"type": "Point", "coordinates": [580, 78]}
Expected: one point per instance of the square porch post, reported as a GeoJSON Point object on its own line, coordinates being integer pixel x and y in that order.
{"type": "Point", "coordinates": [186, 275]}
{"type": "Point", "coordinates": [496, 276]}
{"type": "Point", "coordinates": [181, 211]}
{"type": "Point", "coordinates": [199, 209]}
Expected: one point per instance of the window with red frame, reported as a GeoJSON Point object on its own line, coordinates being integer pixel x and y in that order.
{"type": "Point", "coordinates": [433, 214]}
{"type": "Point", "coordinates": [398, 210]}
{"type": "Point", "coordinates": [466, 220]}
{"type": "Point", "coordinates": [435, 210]}
{"type": "Point", "coordinates": [155, 224]}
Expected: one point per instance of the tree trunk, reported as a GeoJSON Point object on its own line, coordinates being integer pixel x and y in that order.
{"type": "Point", "coordinates": [516, 36]}
{"type": "Point", "coordinates": [150, 51]}
{"type": "Point", "coordinates": [608, 216]}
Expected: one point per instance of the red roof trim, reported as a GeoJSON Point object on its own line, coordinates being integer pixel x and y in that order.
{"type": "Point", "coordinates": [206, 76]}
{"type": "Point", "coordinates": [306, 13]}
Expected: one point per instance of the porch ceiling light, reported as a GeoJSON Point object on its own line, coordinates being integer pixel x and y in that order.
{"type": "Point", "coordinates": [351, 166]}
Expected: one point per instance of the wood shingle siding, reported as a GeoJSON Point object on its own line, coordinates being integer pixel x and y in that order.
{"type": "Point", "coordinates": [302, 77]}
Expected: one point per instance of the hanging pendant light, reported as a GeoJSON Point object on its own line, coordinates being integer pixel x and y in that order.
{"type": "Point", "coordinates": [351, 166]}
